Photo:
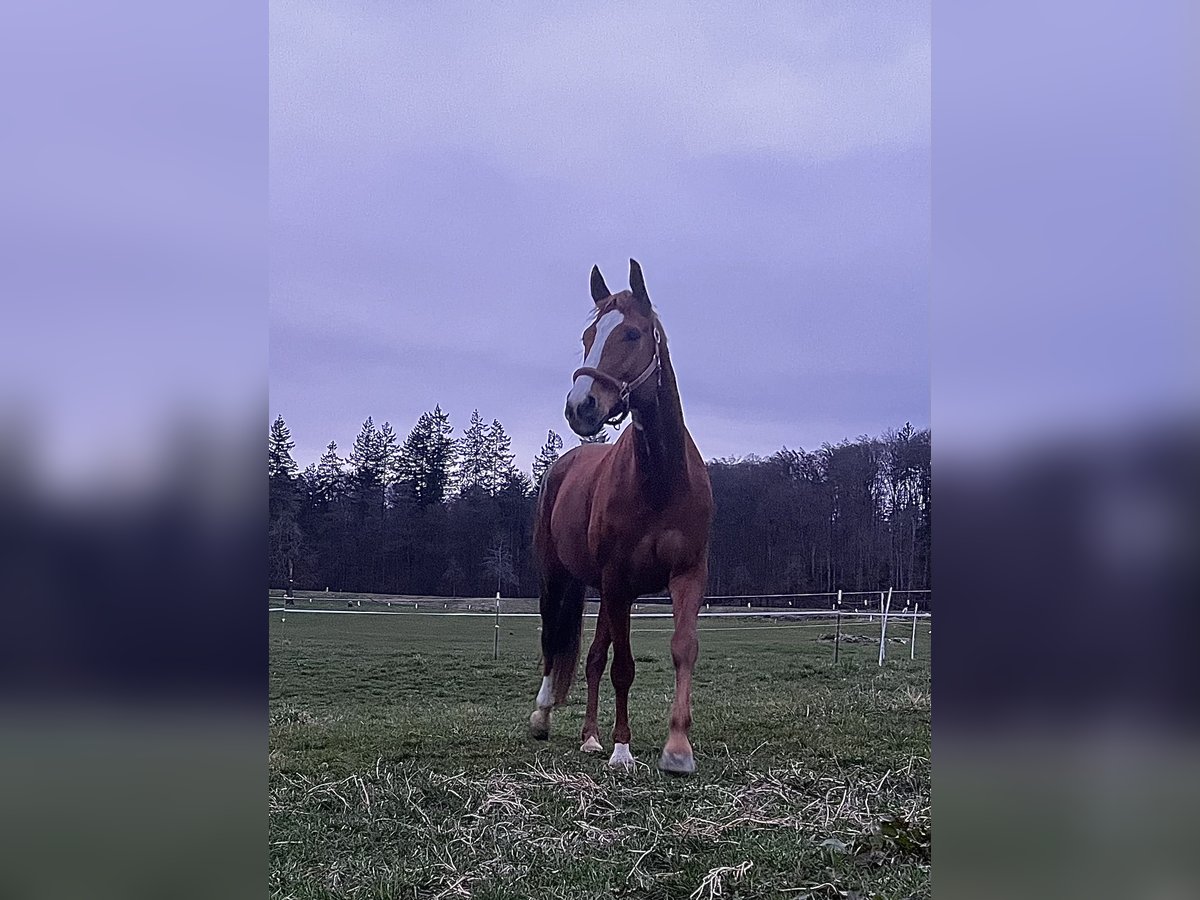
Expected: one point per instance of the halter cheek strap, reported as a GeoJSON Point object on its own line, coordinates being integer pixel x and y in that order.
{"type": "Point", "coordinates": [625, 389]}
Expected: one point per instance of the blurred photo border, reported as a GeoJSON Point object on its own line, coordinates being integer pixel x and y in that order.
{"type": "Point", "coordinates": [1064, 324]}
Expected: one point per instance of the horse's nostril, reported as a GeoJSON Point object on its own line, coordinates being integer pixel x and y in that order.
{"type": "Point", "coordinates": [588, 404]}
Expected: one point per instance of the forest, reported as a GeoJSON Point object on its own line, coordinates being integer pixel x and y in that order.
{"type": "Point", "coordinates": [435, 514]}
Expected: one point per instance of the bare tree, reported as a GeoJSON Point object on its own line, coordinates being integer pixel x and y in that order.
{"type": "Point", "coordinates": [498, 561]}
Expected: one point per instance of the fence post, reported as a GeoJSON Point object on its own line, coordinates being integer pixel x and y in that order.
{"type": "Point", "coordinates": [883, 624]}
{"type": "Point", "coordinates": [496, 643]}
{"type": "Point", "coordinates": [912, 644]}
{"type": "Point", "coordinates": [837, 637]}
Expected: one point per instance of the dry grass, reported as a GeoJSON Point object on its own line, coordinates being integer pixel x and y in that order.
{"type": "Point", "coordinates": [462, 835]}
{"type": "Point", "coordinates": [814, 782]}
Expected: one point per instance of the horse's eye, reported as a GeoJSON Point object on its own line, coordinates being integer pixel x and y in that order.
{"type": "Point", "coordinates": [632, 334]}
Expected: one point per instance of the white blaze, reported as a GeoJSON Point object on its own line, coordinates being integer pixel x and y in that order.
{"type": "Point", "coordinates": [545, 697]}
{"type": "Point", "coordinates": [583, 384]}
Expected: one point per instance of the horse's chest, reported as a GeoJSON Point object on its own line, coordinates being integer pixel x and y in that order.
{"type": "Point", "coordinates": [644, 550]}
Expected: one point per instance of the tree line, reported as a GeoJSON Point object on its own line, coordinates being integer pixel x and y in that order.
{"type": "Point", "coordinates": [438, 515]}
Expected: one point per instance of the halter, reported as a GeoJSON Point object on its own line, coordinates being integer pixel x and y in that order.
{"type": "Point", "coordinates": [625, 388]}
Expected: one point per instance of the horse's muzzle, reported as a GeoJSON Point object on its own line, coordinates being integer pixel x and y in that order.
{"type": "Point", "coordinates": [584, 417]}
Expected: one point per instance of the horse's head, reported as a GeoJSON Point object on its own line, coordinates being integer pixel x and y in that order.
{"type": "Point", "coordinates": [620, 354]}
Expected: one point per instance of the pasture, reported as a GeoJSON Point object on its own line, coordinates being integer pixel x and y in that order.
{"type": "Point", "coordinates": [400, 765]}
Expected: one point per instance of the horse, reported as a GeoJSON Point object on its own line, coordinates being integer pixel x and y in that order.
{"type": "Point", "coordinates": [628, 518]}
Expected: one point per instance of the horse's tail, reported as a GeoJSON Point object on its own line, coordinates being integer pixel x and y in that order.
{"type": "Point", "coordinates": [562, 600]}
{"type": "Point", "coordinates": [562, 632]}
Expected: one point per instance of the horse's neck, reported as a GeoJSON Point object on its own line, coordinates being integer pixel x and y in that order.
{"type": "Point", "coordinates": [660, 442]}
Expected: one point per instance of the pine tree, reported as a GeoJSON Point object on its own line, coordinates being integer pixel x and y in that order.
{"type": "Point", "coordinates": [279, 451]}
{"type": "Point", "coordinates": [368, 464]}
{"type": "Point", "coordinates": [364, 456]}
{"type": "Point", "coordinates": [307, 483]}
{"type": "Point", "coordinates": [500, 468]}
{"type": "Point", "coordinates": [283, 503]}
{"type": "Point", "coordinates": [473, 452]}
{"type": "Point", "coordinates": [445, 456]}
{"type": "Point", "coordinates": [330, 481]}
{"type": "Point", "coordinates": [389, 454]}
{"type": "Point", "coordinates": [516, 483]}
{"type": "Point", "coordinates": [546, 457]}
{"type": "Point", "coordinates": [428, 458]}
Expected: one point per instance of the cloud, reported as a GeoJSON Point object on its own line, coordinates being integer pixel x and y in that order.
{"type": "Point", "coordinates": [443, 179]}
{"type": "Point", "coordinates": [573, 92]}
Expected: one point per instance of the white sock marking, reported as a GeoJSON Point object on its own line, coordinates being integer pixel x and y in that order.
{"type": "Point", "coordinates": [609, 321]}
{"type": "Point", "coordinates": [545, 696]}
{"type": "Point", "coordinates": [621, 757]}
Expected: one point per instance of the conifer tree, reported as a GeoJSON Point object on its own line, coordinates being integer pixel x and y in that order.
{"type": "Point", "coordinates": [307, 483]}
{"type": "Point", "coordinates": [364, 455]}
{"type": "Point", "coordinates": [389, 454]}
{"type": "Point", "coordinates": [546, 457]}
{"type": "Point", "coordinates": [330, 480]}
{"type": "Point", "coordinates": [279, 451]}
{"type": "Point", "coordinates": [368, 464]}
{"type": "Point", "coordinates": [500, 469]}
{"type": "Point", "coordinates": [428, 458]}
{"type": "Point", "coordinates": [516, 483]}
{"type": "Point", "coordinates": [283, 503]}
{"type": "Point", "coordinates": [473, 454]}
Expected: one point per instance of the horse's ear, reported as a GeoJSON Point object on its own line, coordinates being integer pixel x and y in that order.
{"type": "Point", "coordinates": [600, 291]}
{"type": "Point", "coordinates": [637, 283]}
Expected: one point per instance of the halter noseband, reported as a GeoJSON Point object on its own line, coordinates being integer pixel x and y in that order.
{"type": "Point", "coordinates": [625, 388]}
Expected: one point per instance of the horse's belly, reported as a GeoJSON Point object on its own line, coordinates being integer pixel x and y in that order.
{"type": "Point", "coordinates": [578, 561]}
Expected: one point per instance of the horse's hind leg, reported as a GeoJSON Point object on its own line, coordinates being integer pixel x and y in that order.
{"type": "Point", "coordinates": [562, 614]}
{"type": "Point", "coordinates": [551, 598]}
{"type": "Point", "coordinates": [539, 719]}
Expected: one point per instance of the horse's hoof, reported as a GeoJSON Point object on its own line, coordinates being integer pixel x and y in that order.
{"type": "Point", "coordinates": [539, 725]}
{"type": "Point", "coordinates": [591, 745]}
{"type": "Point", "coordinates": [621, 758]}
{"type": "Point", "coordinates": [677, 763]}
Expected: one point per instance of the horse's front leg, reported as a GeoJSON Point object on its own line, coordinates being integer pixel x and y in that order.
{"type": "Point", "coordinates": [622, 677]}
{"type": "Point", "coordinates": [597, 659]}
{"type": "Point", "coordinates": [687, 590]}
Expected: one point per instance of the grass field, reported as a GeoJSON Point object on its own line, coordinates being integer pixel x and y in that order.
{"type": "Point", "coordinates": [400, 766]}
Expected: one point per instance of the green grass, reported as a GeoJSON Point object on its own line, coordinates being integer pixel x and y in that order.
{"type": "Point", "coordinates": [400, 766]}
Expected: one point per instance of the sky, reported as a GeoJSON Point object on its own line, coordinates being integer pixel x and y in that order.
{"type": "Point", "coordinates": [443, 177]}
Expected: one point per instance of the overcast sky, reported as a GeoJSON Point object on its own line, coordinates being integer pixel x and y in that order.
{"type": "Point", "coordinates": [442, 181]}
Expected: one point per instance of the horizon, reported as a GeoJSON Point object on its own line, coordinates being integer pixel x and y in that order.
{"type": "Point", "coordinates": [344, 446]}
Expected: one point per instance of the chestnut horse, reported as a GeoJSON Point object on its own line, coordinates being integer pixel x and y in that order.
{"type": "Point", "coordinates": [628, 519]}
